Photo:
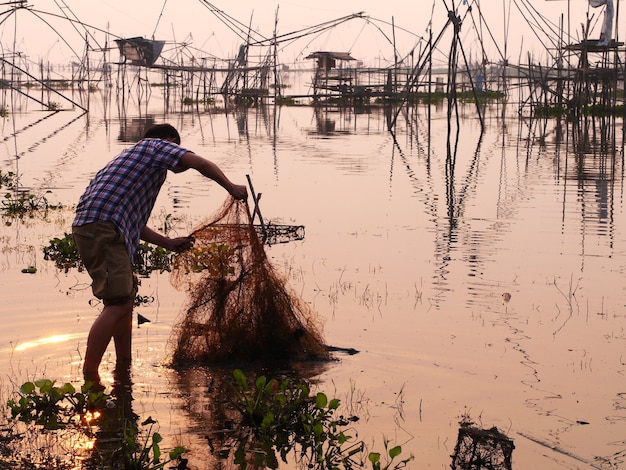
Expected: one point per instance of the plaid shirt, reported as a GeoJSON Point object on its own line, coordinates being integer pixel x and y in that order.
{"type": "Point", "coordinates": [125, 190]}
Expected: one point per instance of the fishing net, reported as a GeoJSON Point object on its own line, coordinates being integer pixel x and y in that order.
{"type": "Point", "coordinates": [239, 308]}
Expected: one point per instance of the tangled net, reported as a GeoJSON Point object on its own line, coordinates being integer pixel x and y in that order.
{"type": "Point", "coordinates": [239, 308]}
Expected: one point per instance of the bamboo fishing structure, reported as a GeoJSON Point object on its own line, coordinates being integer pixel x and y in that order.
{"type": "Point", "coordinates": [582, 76]}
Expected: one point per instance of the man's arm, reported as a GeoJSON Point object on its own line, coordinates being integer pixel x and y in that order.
{"type": "Point", "coordinates": [173, 244]}
{"type": "Point", "coordinates": [212, 171]}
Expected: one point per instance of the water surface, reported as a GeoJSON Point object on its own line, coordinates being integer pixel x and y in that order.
{"type": "Point", "coordinates": [411, 240]}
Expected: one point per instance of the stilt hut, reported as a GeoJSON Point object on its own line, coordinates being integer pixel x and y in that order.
{"type": "Point", "coordinates": [140, 51]}
{"type": "Point", "coordinates": [332, 78]}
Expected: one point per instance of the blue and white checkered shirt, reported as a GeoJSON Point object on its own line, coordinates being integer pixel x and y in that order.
{"type": "Point", "coordinates": [125, 190]}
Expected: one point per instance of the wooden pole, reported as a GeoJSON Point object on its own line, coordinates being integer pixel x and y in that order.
{"type": "Point", "coordinates": [256, 210]}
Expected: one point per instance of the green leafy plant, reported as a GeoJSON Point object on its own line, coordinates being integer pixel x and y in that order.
{"type": "Point", "coordinates": [284, 416]}
{"type": "Point", "coordinates": [152, 258]}
{"type": "Point", "coordinates": [61, 408]}
{"type": "Point", "coordinates": [143, 452]}
{"type": "Point", "coordinates": [22, 204]}
{"type": "Point", "coordinates": [218, 260]}
{"type": "Point", "coordinates": [375, 458]}
{"type": "Point", "coordinates": [44, 403]}
{"type": "Point", "coordinates": [25, 204]}
{"type": "Point", "coordinates": [64, 253]}
{"type": "Point", "coordinates": [7, 179]}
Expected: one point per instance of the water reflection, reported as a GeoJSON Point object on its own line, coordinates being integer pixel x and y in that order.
{"type": "Point", "coordinates": [116, 439]}
{"type": "Point", "coordinates": [597, 160]}
{"type": "Point", "coordinates": [208, 397]}
{"type": "Point", "coordinates": [132, 129]}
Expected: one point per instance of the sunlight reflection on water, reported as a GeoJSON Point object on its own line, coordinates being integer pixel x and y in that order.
{"type": "Point", "coordinates": [47, 341]}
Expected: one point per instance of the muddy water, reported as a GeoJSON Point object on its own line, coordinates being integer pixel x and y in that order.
{"type": "Point", "coordinates": [489, 288]}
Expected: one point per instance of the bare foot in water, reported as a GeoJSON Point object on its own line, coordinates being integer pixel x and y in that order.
{"type": "Point", "coordinates": [93, 385]}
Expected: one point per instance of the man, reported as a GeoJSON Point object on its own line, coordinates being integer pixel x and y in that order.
{"type": "Point", "coordinates": [111, 218]}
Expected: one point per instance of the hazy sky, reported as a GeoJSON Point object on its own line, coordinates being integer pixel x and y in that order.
{"type": "Point", "coordinates": [370, 39]}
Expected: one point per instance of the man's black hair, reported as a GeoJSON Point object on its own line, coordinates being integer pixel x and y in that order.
{"type": "Point", "coordinates": [162, 131]}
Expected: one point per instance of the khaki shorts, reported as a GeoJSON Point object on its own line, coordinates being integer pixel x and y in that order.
{"type": "Point", "coordinates": [103, 252]}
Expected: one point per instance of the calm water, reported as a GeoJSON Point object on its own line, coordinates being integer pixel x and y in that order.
{"type": "Point", "coordinates": [405, 258]}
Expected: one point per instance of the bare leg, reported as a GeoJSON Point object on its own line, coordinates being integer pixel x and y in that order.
{"type": "Point", "coordinates": [122, 336]}
{"type": "Point", "coordinates": [115, 321]}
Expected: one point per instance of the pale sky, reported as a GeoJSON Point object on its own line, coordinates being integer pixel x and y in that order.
{"type": "Point", "coordinates": [369, 39]}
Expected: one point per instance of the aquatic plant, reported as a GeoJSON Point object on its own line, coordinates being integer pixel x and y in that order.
{"type": "Point", "coordinates": [43, 407]}
{"type": "Point", "coordinates": [144, 453]}
{"type": "Point", "coordinates": [7, 179]}
{"type": "Point", "coordinates": [64, 253]}
{"type": "Point", "coordinates": [42, 427]}
{"type": "Point", "coordinates": [255, 91]}
{"type": "Point", "coordinates": [44, 403]}
{"type": "Point", "coordinates": [25, 204]}
{"type": "Point", "coordinates": [377, 464]}
{"type": "Point", "coordinates": [187, 101]}
{"type": "Point", "coordinates": [151, 258]}
{"type": "Point", "coordinates": [279, 419]}
{"type": "Point", "coordinates": [218, 260]}
{"type": "Point", "coordinates": [283, 417]}
{"type": "Point", "coordinates": [286, 101]}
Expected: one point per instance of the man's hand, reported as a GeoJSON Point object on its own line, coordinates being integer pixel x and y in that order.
{"type": "Point", "coordinates": [239, 191]}
{"type": "Point", "coordinates": [180, 244]}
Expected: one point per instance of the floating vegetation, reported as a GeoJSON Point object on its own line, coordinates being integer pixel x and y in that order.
{"type": "Point", "coordinates": [282, 86]}
{"type": "Point", "coordinates": [151, 258]}
{"type": "Point", "coordinates": [191, 101]}
{"type": "Point", "coordinates": [255, 92]}
{"type": "Point", "coordinates": [4, 112]}
{"type": "Point", "coordinates": [271, 421]}
{"type": "Point", "coordinates": [45, 404]}
{"type": "Point", "coordinates": [467, 96]}
{"type": "Point", "coordinates": [69, 426]}
{"type": "Point", "coordinates": [63, 252]}
{"type": "Point", "coordinates": [25, 205]}
{"type": "Point", "coordinates": [279, 418]}
{"type": "Point", "coordinates": [287, 101]}
{"type": "Point", "coordinates": [7, 179]}
{"type": "Point", "coordinates": [144, 452]}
